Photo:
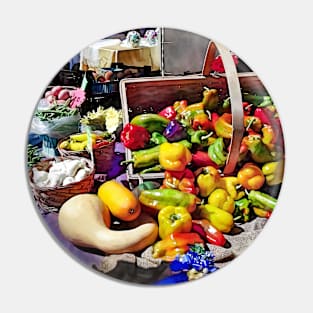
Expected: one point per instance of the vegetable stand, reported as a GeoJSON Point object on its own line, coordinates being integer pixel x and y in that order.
{"type": "Point", "coordinates": [194, 175]}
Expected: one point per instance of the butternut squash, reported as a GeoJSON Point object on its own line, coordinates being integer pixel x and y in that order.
{"type": "Point", "coordinates": [121, 201]}
{"type": "Point", "coordinates": [81, 222]}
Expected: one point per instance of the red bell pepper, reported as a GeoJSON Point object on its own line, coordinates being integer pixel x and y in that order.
{"type": "Point", "coordinates": [214, 118]}
{"type": "Point", "coordinates": [134, 137]}
{"type": "Point", "coordinates": [217, 64]}
{"type": "Point", "coordinates": [181, 180]}
{"type": "Point", "coordinates": [205, 229]}
{"type": "Point", "coordinates": [247, 108]}
{"type": "Point", "coordinates": [168, 112]}
{"type": "Point", "coordinates": [202, 159]}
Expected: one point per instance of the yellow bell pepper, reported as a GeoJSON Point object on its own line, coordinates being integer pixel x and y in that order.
{"type": "Point", "coordinates": [174, 156]}
{"type": "Point", "coordinates": [273, 172]}
{"type": "Point", "coordinates": [221, 199]}
{"type": "Point", "coordinates": [220, 219]}
{"type": "Point", "coordinates": [229, 183]}
{"type": "Point", "coordinates": [207, 180]}
{"type": "Point", "coordinates": [174, 220]}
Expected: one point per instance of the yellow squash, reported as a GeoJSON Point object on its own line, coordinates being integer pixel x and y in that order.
{"type": "Point", "coordinates": [121, 202]}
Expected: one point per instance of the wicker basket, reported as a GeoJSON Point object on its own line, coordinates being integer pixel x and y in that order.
{"type": "Point", "coordinates": [152, 95]}
{"type": "Point", "coordinates": [50, 199]}
{"type": "Point", "coordinates": [102, 156]}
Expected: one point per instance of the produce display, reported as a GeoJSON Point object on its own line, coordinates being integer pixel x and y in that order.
{"type": "Point", "coordinates": [163, 208]}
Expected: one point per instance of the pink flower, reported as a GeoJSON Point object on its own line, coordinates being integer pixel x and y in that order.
{"type": "Point", "coordinates": [217, 64]}
{"type": "Point", "coordinates": [78, 96]}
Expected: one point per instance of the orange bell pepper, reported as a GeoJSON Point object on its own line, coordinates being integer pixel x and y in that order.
{"type": "Point", "coordinates": [174, 244]}
{"type": "Point", "coordinates": [251, 177]}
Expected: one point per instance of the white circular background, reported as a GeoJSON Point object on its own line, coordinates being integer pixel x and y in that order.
{"type": "Point", "coordinates": [273, 273]}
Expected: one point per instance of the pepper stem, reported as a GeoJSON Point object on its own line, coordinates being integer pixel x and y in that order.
{"type": "Point", "coordinates": [174, 217]}
{"type": "Point", "coordinates": [127, 162]}
{"type": "Point", "coordinates": [250, 123]}
{"type": "Point", "coordinates": [207, 136]}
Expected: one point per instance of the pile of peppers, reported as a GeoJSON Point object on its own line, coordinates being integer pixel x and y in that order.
{"type": "Point", "coordinates": [195, 203]}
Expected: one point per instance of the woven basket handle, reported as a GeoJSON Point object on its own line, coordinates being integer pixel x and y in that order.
{"type": "Point", "coordinates": [235, 100]}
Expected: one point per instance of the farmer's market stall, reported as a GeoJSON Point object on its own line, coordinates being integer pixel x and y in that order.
{"type": "Point", "coordinates": [171, 183]}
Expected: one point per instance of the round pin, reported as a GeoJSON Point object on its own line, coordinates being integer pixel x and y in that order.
{"type": "Point", "coordinates": [155, 156]}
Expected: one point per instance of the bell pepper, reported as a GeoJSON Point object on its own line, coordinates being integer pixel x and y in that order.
{"type": "Point", "coordinates": [210, 98]}
{"type": "Point", "coordinates": [161, 198]}
{"type": "Point", "coordinates": [187, 182]}
{"type": "Point", "coordinates": [144, 158]}
{"type": "Point", "coordinates": [199, 137]}
{"type": "Point", "coordinates": [207, 180]}
{"type": "Point", "coordinates": [180, 106]}
{"type": "Point", "coordinates": [202, 159]}
{"type": "Point", "coordinates": [183, 181]}
{"type": "Point", "coordinates": [262, 200]}
{"type": "Point", "coordinates": [258, 150]}
{"type": "Point", "coordinates": [209, 102]}
{"type": "Point", "coordinates": [269, 116]}
{"type": "Point", "coordinates": [242, 211]}
{"type": "Point", "coordinates": [168, 112]}
{"type": "Point", "coordinates": [230, 184]}
{"type": "Point", "coordinates": [223, 126]}
{"type": "Point", "coordinates": [250, 176]}
{"type": "Point", "coordinates": [273, 172]}
{"type": "Point", "coordinates": [268, 136]}
{"type": "Point", "coordinates": [151, 122]}
{"type": "Point", "coordinates": [174, 219]}
{"type": "Point", "coordinates": [259, 101]}
{"type": "Point", "coordinates": [209, 232]}
{"type": "Point", "coordinates": [174, 156]}
{"type": "Point", "coordinates": [220, 219]}
{"type": "Point", "coordinates": [218, 66]}
{"type": "Point", "coordinates": [261, 213]}
{"type": "Point", "coordinates": [214, 118]}
{"type": "Point", "coordinates": [247, 107]}
{"type": "Point", "coordinates": [221, 199]}
{"type": "Point", "coordinates": [201, 121]}
{"type": "Point", "coordinates": [170, 181]}
{"type": "Point", "coordinates": [157, 138]}
{"type": "Point", "coordinates": [187, 116]}
{"type": "Point", "coordinates": [174, 131]}
{"type": "Point", "coordinates": [134, 137]}
{"type": "Point", "coordinates": [264, 115]}
{"type": "Point", "coordinates": [216, 152]}
{"type": "Point", "coordinates": [252, 122]}
{"type": "Point", "coordinates": [174, 244]}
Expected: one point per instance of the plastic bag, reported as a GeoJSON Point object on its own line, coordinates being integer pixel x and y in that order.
{"type": "Point", "coordinates": [56, 128]}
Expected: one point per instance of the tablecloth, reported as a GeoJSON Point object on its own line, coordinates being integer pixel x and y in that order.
{"type": "Point", "coordinates": [93, 57]}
